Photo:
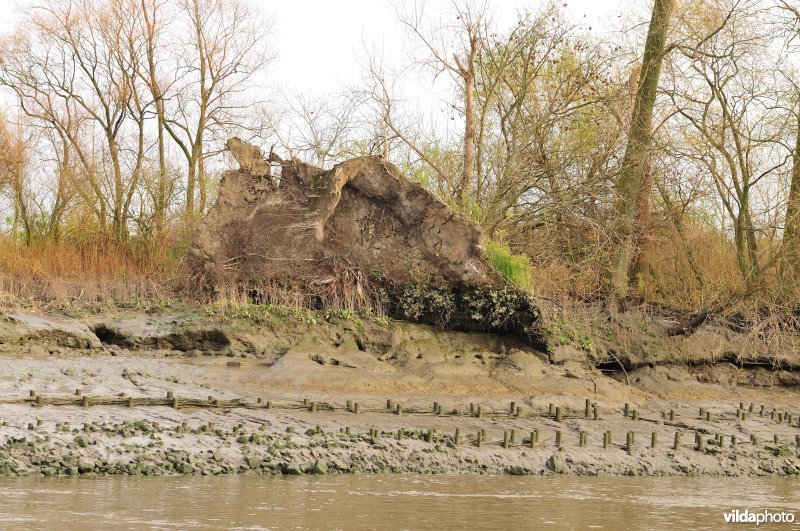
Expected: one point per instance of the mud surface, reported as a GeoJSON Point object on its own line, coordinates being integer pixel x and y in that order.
{"type": "Point", "coordinates": [230, 367]}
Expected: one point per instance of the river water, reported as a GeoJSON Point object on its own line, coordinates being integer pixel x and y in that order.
{"type": "Point", "coordinates": [388, 502]}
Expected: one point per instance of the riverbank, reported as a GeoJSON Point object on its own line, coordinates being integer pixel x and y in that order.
{"type": "Point", "coordinates": [167, 393]}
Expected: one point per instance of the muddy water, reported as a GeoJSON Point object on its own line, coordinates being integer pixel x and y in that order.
{"type": "Point", "coordinates": [387, 502]}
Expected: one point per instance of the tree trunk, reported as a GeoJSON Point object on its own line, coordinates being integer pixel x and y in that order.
{"type": "Point", "coordinates": [631, 184]}
{"type": "Point", "coordinates": [190, 186]}
{"type": "Point", "coordinates": [790, 267]}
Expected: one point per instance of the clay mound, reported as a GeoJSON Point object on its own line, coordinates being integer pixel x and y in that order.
{"type": "Point", "coordinates": [361, 218]}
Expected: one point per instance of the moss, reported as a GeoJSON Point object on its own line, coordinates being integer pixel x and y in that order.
{"type": "Point", "coordinates": [504, 311]}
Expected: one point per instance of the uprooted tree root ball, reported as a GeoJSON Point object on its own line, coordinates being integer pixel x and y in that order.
{"type": "Point", "coordinates": [360, 233]}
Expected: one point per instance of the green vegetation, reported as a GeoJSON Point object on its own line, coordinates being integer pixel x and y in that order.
{"type": "Point", "coordinates": [516, 268]}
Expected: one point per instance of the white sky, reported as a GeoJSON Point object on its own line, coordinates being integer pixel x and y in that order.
{"type": "Point", "coordinates": [316, 41]}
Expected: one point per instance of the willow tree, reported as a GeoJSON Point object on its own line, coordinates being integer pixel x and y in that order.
{"type": "Point", "coordinates": [633, 184]}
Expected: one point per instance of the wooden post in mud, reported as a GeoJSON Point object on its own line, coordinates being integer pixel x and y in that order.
{"type": "Point", "coordinates": [761, 413]}
{"type": "Point", "coordinates": [347, 430]}
{"type": "Point", "coordinates": [733, 441]}
{"type": "Point", "coordinates": [32, 393]}
{"type": "Point", "coordinates": [478, 439]}
{"type": "Point", "coordinates": [269, 404]}
{"type": "Point", "coordinates": [400, 434]}
{"type": "Point", "coordinates": [627, 411]}
{"type": "Point", "coordinates": [753, 440]}
{"type": "Point", "coordinates": [471, 409]}
{"type": "Point", "coordinates": [775, 439]}
{"type": "Point", "coordinates": [313, 407]}
{"type": "Point", "coordinates": [535, 436]}
{"type": "Point", "coordinates": [389, 404]}
{"type": "Point", "coordinates": [38, 400]}
{"type": "Point", "coordinates": [698, 437]}
{"type": "Point", "coordinates": [744, 415]}
{"type": "Point", "coordinates": [582, 441]}
{"type": "Point", "coordinates": [702, 412]}
{"type": "Point", "coordinates": [175, 402]}
{"type": "Point", "coordinates": [586, 408]}
{"type": "Point", "coordinates": [677, 443]}
{"type": "Point", "coordinates": [532, 441]}
{"type": "Point", "coordinates": [85, 401]}
{"type": "Point", "coordinates": [129, 402]}
{"type": "Point", "coordinates": [672, 415]}
{"type": "Point", "coordinates": [558, 414]}
{"type": "Point", "coordinates": [513, 436]}
{"type": "Point", "coordinates": [550, 409]}
{"type": "Point", "coordinates": [797, 440]}
{"type": "Point", "coordinates": [596, 412]}
{"type": "Point", "coordinates": [429, 436]}
{"type": "Point", "coordinates": [77, 392]}
{"type": "Point", "coordinates": [559, 440]}
{"type": "Point", "coordinates": [629, 442]}
{"type": "Point", "coordinates": [708, 416]}
{"type": "Point", "coordinates": [259, 400]}
{"type": "Point", "coordinates": [750, 409]}
{"type": "Point", "coordinates": [349, 405]}
{"type": "Point", "coordinates": [518, 411]}
{"type": "Point", "coordinates": [435, 408]}
{"type": "Point", "coordinates": [635, 414]}
{"type": "Point", "coordinates": [606, 439]}
{"type": "Point", "coordinates": [513, 407]}
{"type": "Point", "coordinates": [169, 395]}
{"type": "Point", "coordinates": [653, 440]}
{"type": "Point", "coordinates": [505, 439]}
{"type": "Point", "coordinates": [480, 412]}
{"type": "Point", "coordinates": [356, 408]}
{"type": "Point", "coordinates": [457, 436]}
{"type": "Point", "coordinates": [398, 409]}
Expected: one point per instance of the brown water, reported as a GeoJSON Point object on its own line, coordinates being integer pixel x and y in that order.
{"type": "Point", "coordinates": [388, 502]}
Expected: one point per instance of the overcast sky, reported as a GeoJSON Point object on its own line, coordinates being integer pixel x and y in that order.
{"type": "Point", "coordinates": [316, 42]}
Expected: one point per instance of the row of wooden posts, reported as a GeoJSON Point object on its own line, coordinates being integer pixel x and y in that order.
{"type": "Point", "coordinates": [509, 437]}
{"type": "Point", "coordinates": [591, 409]}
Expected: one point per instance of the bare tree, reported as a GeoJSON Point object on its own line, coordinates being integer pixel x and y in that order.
{"type": "Point", "coordinates": [225, 47]}
{"type": "Point", "coordinates": [453, 46]}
